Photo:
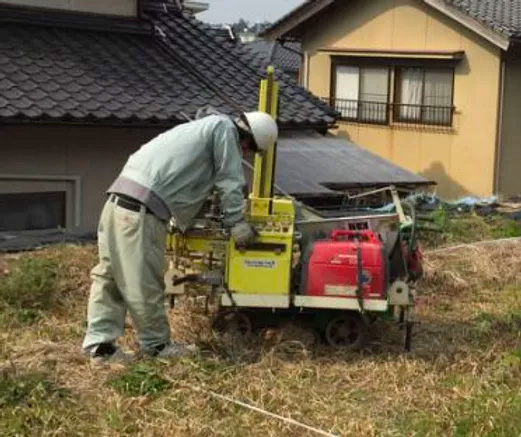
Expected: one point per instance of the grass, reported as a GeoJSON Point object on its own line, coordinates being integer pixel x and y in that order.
{"type": "Point", "coordinates": [140, 380]}
{"type": "Point", "coordinates": [461, 379]}
{"type": "Point", "coordinates": [467, 228]}
{"type": "Point", "coordinates": [31, 284]}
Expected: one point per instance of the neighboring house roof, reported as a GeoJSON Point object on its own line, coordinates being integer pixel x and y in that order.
{"type": "Point", "coordinates": [92, 72]}
{"type": "Point", "coordinates": [333, 163]}
{"type": "Point", "coordinates": [503, 16]}
{"type": "Point", "coordinates": [287, 56]}
{"type": "Point", "coordinates": [495, 20]}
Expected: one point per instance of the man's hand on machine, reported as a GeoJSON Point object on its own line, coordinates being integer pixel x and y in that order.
{"type": "Point", "coordinates": [243, 233]}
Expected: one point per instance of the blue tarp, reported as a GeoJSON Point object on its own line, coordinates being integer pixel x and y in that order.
{"type": "Point", "coordinates": [431, 202]}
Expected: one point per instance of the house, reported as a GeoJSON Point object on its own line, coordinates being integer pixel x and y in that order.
{"type": "Point", "coordinates": [432, 85]}
{"type": "Point", "coordinates": [84, 84]}
{"type": "Point", "coordinates": [286, 56]}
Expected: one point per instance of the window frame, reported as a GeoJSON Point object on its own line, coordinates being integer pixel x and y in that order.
{"type": "Point", "coordinates": [397, 105]}
{"type": "Point", "coordinates": [393, 65]}
{"type": "Point", "coordinates": [361, 64]}
{"type": "Point", "coordinates": [52, 202]}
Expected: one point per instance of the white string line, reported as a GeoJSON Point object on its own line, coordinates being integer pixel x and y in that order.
{"type": "Point", "coordinates": [257, 409]}
{"type": "Point", "coordinates": [471, 245]}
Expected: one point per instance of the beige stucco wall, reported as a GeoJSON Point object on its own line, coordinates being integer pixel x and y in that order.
{"type": "Point", "coordinates": [111, 7]}
{"type": "Point", "coordinates": [510, 154]}
{"type": "Point", "coordinates": [461, 161]}
{"type": "Point", "coordinates": [96, 155]}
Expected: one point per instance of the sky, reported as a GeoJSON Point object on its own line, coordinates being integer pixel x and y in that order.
{"type": "Point", "coordinates": [230, 11]}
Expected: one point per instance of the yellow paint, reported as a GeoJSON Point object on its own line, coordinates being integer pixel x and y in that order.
{"type": "Point", "coordinates": [461, 160]}
{"type": "Point", "coordinates": [263, 173]}
{"type": "Point", "coordinates": [266, 270]}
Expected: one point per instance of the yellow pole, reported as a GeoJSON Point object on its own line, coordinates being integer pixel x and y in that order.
{"type": "Point", "coordinates": [264, 163]}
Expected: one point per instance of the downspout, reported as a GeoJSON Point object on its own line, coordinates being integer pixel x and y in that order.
{"type": "Point", "coordinates": [499, 127]}
{"type": "Point", "coordinates": [305, 71]}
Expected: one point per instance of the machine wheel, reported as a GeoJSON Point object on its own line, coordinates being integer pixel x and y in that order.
{"type": "Point", "coordinates": [348, 331]}
{"type": "Point", "coordinates": [232, 322]}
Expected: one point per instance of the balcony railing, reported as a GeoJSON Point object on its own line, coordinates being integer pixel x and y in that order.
{"type": "Point", "coordinates": [383, 113]}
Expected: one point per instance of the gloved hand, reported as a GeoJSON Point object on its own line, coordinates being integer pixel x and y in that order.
{"type": "Point", "coordinates": [243, 233]}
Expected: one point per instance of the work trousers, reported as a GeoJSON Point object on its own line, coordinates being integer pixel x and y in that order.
{"type": "Point", "coordinates": [129, 276]}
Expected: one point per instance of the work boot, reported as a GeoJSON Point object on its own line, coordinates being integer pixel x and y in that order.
{"type": "Point", "coordinates": [107, 353]}
{"type": "Point", "coordinates": [174, 350]}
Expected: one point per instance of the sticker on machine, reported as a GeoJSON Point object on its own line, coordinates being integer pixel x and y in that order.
{"type": "Point", "coordinates": [339, 290]}
{"type": "Point", "coordinates": [260, 264]}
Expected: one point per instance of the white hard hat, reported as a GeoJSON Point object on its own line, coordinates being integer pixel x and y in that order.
{"type": "Point", "coordinates": [263, 128]}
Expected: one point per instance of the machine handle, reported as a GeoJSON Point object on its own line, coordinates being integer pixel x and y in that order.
{"type": "Point", "coordinates": [339, 234]}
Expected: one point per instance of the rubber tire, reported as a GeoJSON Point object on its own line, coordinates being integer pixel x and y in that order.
{"type": "Point", "coordinates": [353, 320]}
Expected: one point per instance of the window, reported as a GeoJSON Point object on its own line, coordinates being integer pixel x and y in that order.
{"type": "Point", "coordinates": [32, 211]}
{"type": "Point", "coordinates": [424, 95]}
{"type": "Point", "coordinates": [362, 93]}
{"type": "Point", "coordinates": [383, 90]}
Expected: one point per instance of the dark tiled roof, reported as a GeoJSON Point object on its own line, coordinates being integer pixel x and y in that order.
{"type": "Point", "coordinates": [330, 162]}
{"type": "Point", "coordinates": [231, 70]}
{"type": "Point", "coordinates": [54, 73]}
{"type": "Point", "coordinates": [503, 16]}
{"type": "Point", "coordinates": [76, 75]}
{"type": "Point", "coordinates": [287, 56]}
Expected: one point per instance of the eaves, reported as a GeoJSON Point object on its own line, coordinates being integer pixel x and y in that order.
{"type": "Point", "coordinates": [307, 10]}
{"type": "Point", "coordinates": [498, 39]}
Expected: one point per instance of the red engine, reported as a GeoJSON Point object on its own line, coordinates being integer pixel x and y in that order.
{"type": "Point", "coordinates": [349, 261]}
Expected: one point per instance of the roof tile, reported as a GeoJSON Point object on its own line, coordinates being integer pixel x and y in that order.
{"type": "Point", "coordinates": [72, 74]}
{"type": "Point", "coordinates": [503, 16]}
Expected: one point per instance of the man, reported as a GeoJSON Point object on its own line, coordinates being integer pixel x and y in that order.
{"type": "Point", "coordinates": [170, 177]}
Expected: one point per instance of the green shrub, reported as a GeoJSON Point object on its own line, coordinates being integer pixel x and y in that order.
{"type": "Point", "coordinates": [30, 285]}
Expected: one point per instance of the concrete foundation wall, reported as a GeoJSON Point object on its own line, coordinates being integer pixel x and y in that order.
{"type": "Point", "coordinates": [43, 159]}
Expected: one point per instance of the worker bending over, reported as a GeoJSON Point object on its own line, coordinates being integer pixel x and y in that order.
{"type": "Point", "coordinates": [170, 177]}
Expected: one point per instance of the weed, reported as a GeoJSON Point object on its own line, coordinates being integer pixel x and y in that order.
{"type": "Point", "coordinates": [31, 403]}
{"type": "Point", "coordinates": [140, 380]}
{"type": "Point", "coordinates": [25, 388]}
{"type": "Point", "coordinates": [489, 413]}
{"type": "Point", "coordinates": [505, 228]}
{"type": "Point", "coordinates": [484, 323]}
{"type": "Point", "coordinates": [468, 227]}
{"type": "Point", "coordinates": [31, 284]}
{"type": "Point", "coordinates": [13, 317]}
{"type": "Point", "coordinates": [120, 421]}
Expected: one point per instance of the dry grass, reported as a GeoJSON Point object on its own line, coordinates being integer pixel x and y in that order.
{"type": "Point", "coordinates": [462, 377]}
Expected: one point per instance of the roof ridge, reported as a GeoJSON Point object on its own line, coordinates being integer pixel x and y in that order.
{"type": "Point", "coordinates": [72, 19]}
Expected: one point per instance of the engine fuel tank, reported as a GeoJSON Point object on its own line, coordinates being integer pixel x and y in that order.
{"type": "Point", "coordinates": [348, 260]}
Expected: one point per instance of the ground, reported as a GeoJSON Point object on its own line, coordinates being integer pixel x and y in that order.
{"type": "Point", "coordinates": [461, 379]}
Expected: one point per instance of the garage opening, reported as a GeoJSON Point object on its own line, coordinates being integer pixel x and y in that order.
{"type": "Point", "coordinates": [32, 211]}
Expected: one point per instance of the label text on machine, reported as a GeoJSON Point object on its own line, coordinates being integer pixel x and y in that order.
{"type": "Point", "coordinates": [260, 264]}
